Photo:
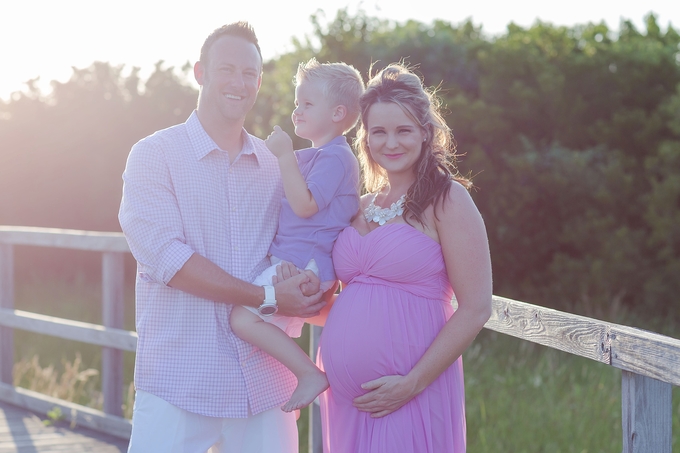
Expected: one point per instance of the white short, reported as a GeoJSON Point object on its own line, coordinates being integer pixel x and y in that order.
{"type": "Point", "coordinates": [160, 427]}
{"type": "Point", "coordinates": [292, 326]}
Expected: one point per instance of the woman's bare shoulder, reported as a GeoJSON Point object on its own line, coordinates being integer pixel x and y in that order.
{"type": "Point", "coordinates": [456, 205]}
{"type": "Point", "coordinates": [359, 221]}
{"type": "Point", "coordinates": [365, 200]}
{"type": "Point", "coordinates": [457, 195]}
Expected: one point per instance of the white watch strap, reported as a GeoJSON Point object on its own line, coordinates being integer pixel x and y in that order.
{"type": "Point", "coordinates": [269, 294]}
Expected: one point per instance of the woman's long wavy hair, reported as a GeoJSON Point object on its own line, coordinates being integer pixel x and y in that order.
{"type": "Point", "coordinates": [436, 168]}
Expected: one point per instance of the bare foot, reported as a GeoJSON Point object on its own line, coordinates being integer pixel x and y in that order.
{"type": "Point", "coordinates": [309, 387]}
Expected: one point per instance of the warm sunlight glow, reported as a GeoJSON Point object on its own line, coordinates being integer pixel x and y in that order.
{"type": "Point", "coordinates": [45, 38]}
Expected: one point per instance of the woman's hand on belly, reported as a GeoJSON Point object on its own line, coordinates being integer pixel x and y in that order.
{"type": "Point", "coordinates": [386, 395]}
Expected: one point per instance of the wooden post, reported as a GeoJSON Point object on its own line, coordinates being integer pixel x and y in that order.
{"type": "Point", "coordinates": [113, 315]}
{"type": "Point", "coordinates": [647, 414]}
{"type": "Point", "coordinates": [6, 301]}
{"type": "Point", "coordinates": [314, 437]}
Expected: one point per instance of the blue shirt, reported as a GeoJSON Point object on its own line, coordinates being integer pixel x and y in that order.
{"type": "Point", "coordinates": [332, 175]}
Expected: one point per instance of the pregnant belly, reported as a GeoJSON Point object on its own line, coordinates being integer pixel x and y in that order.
{"type": "Point", "coordinates": [374, 331]}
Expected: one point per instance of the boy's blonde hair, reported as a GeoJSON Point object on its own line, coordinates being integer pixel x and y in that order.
{"type": "Point", "coordinates": [341, 84]}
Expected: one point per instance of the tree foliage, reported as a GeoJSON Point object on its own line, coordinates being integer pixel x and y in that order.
{"type": "Point", "coordinates": [572, 135]}
{"type": "Point", "coordinates": [63, 153]}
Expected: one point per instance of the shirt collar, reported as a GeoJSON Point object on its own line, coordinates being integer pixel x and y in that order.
{"type": "Point", "coordinates": [339, 140]}
{"type": "Point", "coordinates": [203, 144]}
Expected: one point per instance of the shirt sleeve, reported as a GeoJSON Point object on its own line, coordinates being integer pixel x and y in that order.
{"type": "Point", "coordinates": [326, 177]}
{"type": "Point", "coordinates": [149, 214]}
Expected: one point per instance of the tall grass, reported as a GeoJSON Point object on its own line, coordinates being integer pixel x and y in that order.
{"type": "Point", "coordinates": [67, 369]}
{"type": "Point", "coordinates": [525, 398]}
{"type": "Point", "coordinates": [520, 397]}
{"type": "Point", "coordinates": [73, 383]}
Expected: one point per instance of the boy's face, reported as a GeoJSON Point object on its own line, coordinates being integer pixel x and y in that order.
{"type": "Point", "coordinates": [313, 114]}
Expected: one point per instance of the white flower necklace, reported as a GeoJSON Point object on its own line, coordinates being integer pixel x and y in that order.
{"type": "Point", "coordinates": [374, 213]}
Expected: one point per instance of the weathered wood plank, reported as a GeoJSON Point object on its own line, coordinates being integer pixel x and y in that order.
{"type": "Point", "coordinates": [646, 353]}
{"type": "Point", "coordinates": [62, 238]}
{"type": "Point", "coordinates": [647, 414]}
{"type": "Point", "coordinates": [628, 348]}
{"type": "Point", "coordinates": [113, 310]}
{"type": "Point", "coordinates": [567, 332]}
{"type": "Point", "coordinates": [6, 302]}
{"type": "Point", "coordinates": [75, 413]}
{"type": "Point", "coordinates": [71, 330]}
{"type": "Point", "coordinates": [23, 431]}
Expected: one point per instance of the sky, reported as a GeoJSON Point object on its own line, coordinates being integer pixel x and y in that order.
{"type": "Point", "coordinates": [46, 38]}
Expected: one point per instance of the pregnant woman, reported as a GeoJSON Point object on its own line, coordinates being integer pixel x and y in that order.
{"type": "Point", "coordinates": [392, 343]}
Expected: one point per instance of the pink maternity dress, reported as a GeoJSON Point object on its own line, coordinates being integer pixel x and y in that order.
{"type": "Point", "coordinates": [395, 299]}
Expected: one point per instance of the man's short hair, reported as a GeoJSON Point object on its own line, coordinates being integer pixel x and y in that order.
{"type": "Point", "coordinates": [341, 84]}
{"type": "Point", "coordinates": [239, 29]}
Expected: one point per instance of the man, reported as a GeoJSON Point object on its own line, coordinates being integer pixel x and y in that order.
{"type": "Point", "coordinates": [200, 207]}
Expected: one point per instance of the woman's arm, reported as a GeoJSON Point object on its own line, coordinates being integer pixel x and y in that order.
{"type": "Point", "coordinates": [465, 248]}
{"type": "Point", "coordinates": [294, 185]}
{"type": "Point", "coordinates": [328, 297]}
{"type": "Point", "coordinates": [320, 319]}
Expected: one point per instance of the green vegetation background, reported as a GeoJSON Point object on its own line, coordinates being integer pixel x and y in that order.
{"type": "Point", "coordinates": [572, 135]}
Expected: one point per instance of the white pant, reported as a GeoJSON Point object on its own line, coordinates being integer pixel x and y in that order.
{"type": "Point", "coordinates": [160, 427]}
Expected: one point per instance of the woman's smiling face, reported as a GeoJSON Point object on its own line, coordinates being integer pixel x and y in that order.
{"type": "Point", "coordinates": [394, 139]}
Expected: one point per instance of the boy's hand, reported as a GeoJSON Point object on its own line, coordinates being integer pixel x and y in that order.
{"type": "Point", "coordinates": [279, 143]}
{"type": "Point", "coordinates": [312, 286]}
{"type": "Point", "coordinates": [289, 296]}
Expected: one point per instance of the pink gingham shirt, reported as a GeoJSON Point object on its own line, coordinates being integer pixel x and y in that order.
{"type": "Point", "coordinates": [182, 196]}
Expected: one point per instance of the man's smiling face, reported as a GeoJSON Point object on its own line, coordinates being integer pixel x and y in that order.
{"type": "Point", "coordinates": [230, 79]}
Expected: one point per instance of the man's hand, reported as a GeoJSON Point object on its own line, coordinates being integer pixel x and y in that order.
{"type": "Point", "coordinates": [386, 395]}
{"type": "Point", "coordinates": [289, 296]}
{"type": "Point", "coordinates": [285, 270]}
{"type": "Point", "coordinates": [279, 143]}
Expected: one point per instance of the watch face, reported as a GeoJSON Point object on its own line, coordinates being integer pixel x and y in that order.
{"type": "Point", "coordinates": [267, 310]}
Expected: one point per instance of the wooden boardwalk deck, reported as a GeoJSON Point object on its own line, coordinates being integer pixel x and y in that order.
{"type": "Point", "coordinates": [22, 431]}
{"type": "Point", "coordinates": [649, 362]}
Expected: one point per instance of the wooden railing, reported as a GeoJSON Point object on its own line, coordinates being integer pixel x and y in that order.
{"type": "Point", "coordinates": [109, 335]}
{"type": "Point", "coordinates": [649, 362]}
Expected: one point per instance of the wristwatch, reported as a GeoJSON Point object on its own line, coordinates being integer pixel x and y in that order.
{"type": "Point", "coordinates": [268, 306]}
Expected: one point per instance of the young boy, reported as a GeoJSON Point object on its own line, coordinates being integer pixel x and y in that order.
{"type": "Point", "coordinates": [321, 186]}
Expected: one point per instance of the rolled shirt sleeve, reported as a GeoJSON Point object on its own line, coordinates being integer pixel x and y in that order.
{"type": "Point", "coordinates": [150, 217]}
{"type": "Point", "coordinates": [184, 195]}
{"type": "Point", "coordinates": [326, 178]}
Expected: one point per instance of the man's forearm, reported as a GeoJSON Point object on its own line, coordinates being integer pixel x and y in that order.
{"type": "Point", "coordinates": [201, 277]}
